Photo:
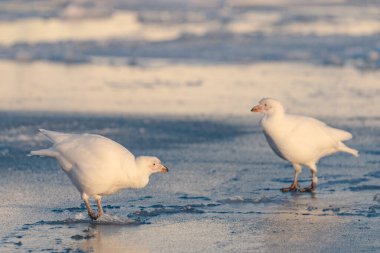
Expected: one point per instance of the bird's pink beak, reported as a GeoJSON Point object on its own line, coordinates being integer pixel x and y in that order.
{"type": "Point", "coordinates": [164, 169]}
{"type": "Point", "coordinates": [257, 108]}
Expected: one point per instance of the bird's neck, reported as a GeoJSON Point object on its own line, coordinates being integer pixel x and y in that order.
{"type": "Point", "coordinates": [137, 178]}
{"type": "Point", "coordinates": [272, 122]}
{"type": "Point", "coordinates": [276, 115]}
{"type": "Point", "coordinates": [143, 178]}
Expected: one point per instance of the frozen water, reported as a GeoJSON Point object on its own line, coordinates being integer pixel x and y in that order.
{"type": "Point", "coordinates": [335, 33]}
{"type": "Point", "coordinates": [222, 192]}
{"type": "Point", "coordinates": [198, 58]}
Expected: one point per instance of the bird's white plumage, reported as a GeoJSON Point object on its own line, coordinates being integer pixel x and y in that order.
{"type": "Point", "coordinates": [298, 139]}
{"type": "Point", "coordinates": [96, 165]}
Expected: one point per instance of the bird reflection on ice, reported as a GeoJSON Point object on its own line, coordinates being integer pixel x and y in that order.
{"type": "Point", "coordinates": [102, 238]}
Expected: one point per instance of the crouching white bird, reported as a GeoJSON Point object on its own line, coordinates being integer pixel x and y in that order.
{"type": "Point", "coordinates": [98, 166]}
{"type": "Point", "coordinates": [300, 140]}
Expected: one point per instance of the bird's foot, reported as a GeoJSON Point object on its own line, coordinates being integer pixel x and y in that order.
{"type": "Point", "coordinates": [291, 188]}
{"type": "Point", "coordinates": [308, 189]}
{"type": "Point", "coordinates": [93, 216]}
{"type": "Point", "coordinates": [91, 212]}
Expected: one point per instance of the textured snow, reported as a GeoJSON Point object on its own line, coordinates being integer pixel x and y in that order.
{"type": "Point", "coordinates": [188, 89]}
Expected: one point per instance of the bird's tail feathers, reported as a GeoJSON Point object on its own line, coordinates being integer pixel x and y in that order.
{"type": "Point", "coordinates": [344, 148]}
{"type": "Point", "coordinates": [43, 152]}
{"type": "Point", "coordinates": [339, 134]}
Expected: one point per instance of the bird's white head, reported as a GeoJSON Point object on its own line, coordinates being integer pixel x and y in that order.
{"type": "Point", "coordinates": [150, 164]}
{"type": "Point", "coordinates": [268, 106]}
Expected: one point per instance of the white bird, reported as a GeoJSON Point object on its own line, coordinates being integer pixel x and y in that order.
{"type": "Point", "coordinates": [300, 140]}
{"type": "Point", "coordinates": [98, 166]}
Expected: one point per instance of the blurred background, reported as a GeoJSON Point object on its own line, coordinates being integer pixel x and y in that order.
{"type": "Point", "coordinates": [190, 57]}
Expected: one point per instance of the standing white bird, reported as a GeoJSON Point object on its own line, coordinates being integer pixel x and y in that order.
{"type": "Point", "coordinates": [98, 166]}
{"type": "Point", "coordinates": [300, 140]}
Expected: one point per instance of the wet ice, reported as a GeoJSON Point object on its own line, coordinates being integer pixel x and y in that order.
{"type": "Point", "coordinates": [226, 190]}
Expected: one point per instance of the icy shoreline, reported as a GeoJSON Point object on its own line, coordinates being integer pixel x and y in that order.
{"type": "Point", "coordinates": [188, 89]}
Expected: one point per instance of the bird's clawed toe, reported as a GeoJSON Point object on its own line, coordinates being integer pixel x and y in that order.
{"type": "Point", "coordinates": [308, 189]}
{"type": "Point", "coordinates": [291, 188]}
{"type": "Point", "coordinates": [294, 188]}
{"type": "Point", "coordinates": [287, 189]}
{"type": "Point", "coordinates": [93, 216]}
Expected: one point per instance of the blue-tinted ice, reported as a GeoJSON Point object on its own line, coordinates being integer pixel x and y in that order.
{"type": "Point", "coordinates": [223, 189]}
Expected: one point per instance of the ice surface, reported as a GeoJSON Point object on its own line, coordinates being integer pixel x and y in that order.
{"type": "Point", "coordinates": [188, 89]}
{"type": "Point", "coordinates": [220, 57]}
{"type": "Point", "coordinates": [222, 193]}
{"type": "Point", "coordinates": [322, 32]}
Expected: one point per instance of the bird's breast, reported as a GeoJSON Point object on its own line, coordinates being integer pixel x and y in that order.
{"type": "Point", "coordinates": [289, 148]}
{"type": "Point", "coordinates": [276, 149]}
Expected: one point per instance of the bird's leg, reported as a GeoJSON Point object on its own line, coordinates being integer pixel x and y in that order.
{"type": "Point", "coordinates": [90, 212]}
{"type": "Point", "coordinates": [294, 186]}
{"type": "Point", "coordinates": [314, 181]}
{"type": "Point", "coordinates": [98, 200]}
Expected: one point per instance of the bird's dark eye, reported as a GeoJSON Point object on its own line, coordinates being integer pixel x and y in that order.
{"type": "Point", "coordinates": [265, 104]}
{"type": "Point", "coordinates": [154, 164]}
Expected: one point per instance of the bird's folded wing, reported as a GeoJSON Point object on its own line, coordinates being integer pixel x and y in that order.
{"type": "Point", "coordinates": [317, 131]}
{"type": "Point", "coordinates": [56, 137]}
